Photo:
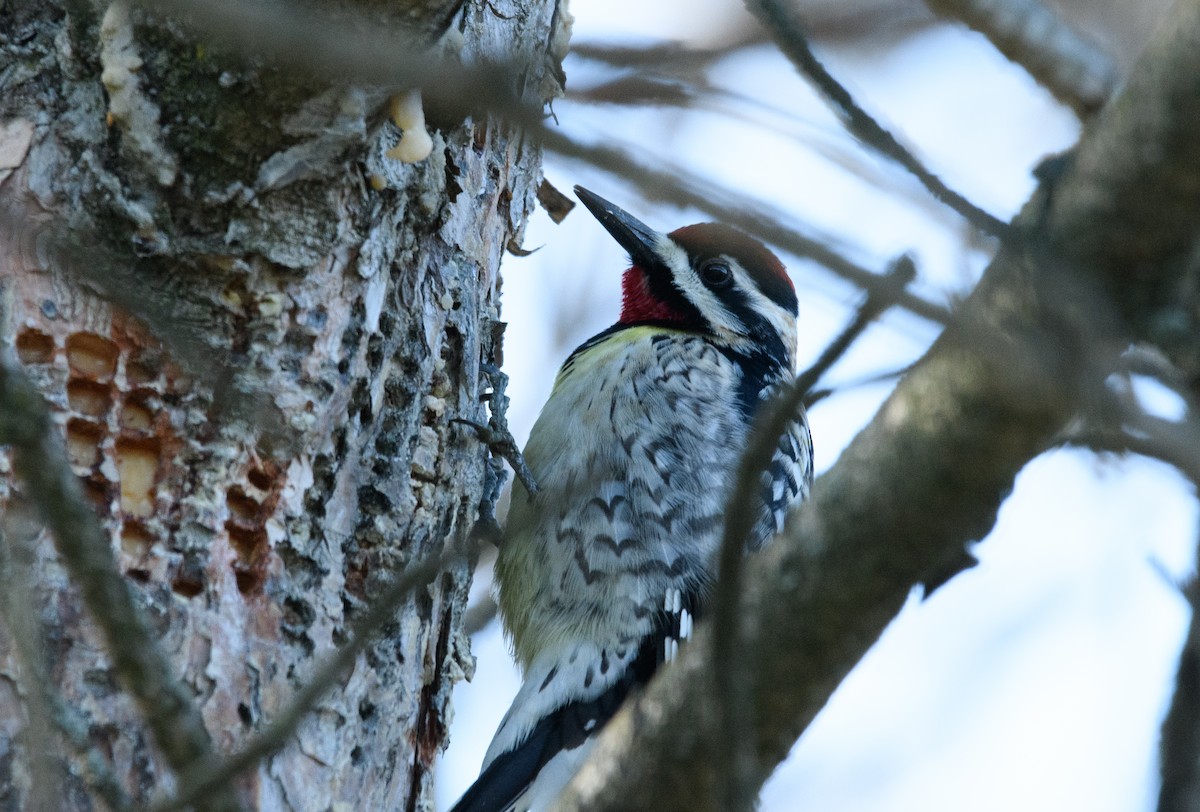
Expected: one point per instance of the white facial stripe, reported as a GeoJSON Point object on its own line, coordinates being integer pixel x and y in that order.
{"type": "Point", "coordinates": [723, 322]}
{"type": "Point", "coordinates": [713, 310]}
{"type": "Point", "coordinates": [671, 253]}
{"type": "Point", "coordinates": [783, 322]}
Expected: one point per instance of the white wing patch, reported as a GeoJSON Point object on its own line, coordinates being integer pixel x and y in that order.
{"type": "Point", "coordinates": [678, 624]}
{"type": "Point", "coordinates": [579, 671]}
{"type": "Point", "coordinates": [552, 780]}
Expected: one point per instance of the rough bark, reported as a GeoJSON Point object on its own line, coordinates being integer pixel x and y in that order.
{"type": "Point", "coordinates": [1103, 254]}
{"type": "Point", "coordinates": [254, 328]}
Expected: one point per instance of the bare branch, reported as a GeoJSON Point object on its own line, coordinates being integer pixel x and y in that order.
{"type": "Point", "coordinates": [929, 473]}
{"type": "Point", "coordinates": [349, 48]}
{"type": "Point", "coordinates": [41, 463]}
{"type": "Point", "coordinates": [345, 50]}
{"type": "Point", "coordinates": [669, 56]}
{"type": "Point", "coordinates": [45, 708]}
{"type": "Point", "coordinates": [783, 21]}
{"type": "Point", "coordinates": [480, 615]}
{"type": "Point", "coordinates": [1177, 444]}
{"type": "Point", "coordinates": [682, 188]}
{"type": "Point", "coordinates": [1077, 71]}
{"type": "Point", "coordinates": [1180, 746]}
{"type": "Point", "coordinates": [19, 612]}
{"type": "Point", "coordinates": [736, 771]}
{"type": "Point", "coordinates": [122, 279]}
{"type": "Point", "coordinates": [900, 274]}
{"type": "Point", "coordinates": [338, 46]}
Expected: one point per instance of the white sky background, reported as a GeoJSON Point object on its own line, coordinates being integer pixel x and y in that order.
{"type": "Point", "coordinates": [1036, 681]}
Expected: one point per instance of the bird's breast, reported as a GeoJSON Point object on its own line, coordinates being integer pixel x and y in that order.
{"type": "Point", "coordinates": [633, 453]}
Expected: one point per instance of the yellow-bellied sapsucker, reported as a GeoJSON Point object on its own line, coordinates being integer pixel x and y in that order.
{"type": "Point", "coordinates": [603, 571]}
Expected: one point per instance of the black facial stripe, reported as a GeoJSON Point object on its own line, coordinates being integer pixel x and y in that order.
{"type": "Point", "coordinates": [738, 303]}
{"type": "Point", "coordinates": [663, 287]}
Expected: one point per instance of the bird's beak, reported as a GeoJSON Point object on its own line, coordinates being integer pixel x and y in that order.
{"type": "Point", "coordinates": [633, 235]}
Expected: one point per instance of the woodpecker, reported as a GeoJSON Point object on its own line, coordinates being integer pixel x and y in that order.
{"type": "Point", "coordinates": [603, 571]}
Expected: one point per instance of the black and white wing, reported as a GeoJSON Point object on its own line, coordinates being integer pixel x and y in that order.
{"type": "Point", "coordinates": [539, 745]}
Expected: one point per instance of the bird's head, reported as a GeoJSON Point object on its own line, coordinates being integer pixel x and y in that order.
{"type": "Point", "coordinates": [708, 277]}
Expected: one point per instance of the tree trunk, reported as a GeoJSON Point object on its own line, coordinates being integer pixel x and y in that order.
{"type": "Point", "coordinates": [255, 337]}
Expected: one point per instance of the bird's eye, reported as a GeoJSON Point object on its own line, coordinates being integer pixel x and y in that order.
{"type": "Point", "coordinates": [716, 274]}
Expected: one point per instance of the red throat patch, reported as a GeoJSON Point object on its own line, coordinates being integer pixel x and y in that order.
{"type": "Point", "coordinates": [638, 303]}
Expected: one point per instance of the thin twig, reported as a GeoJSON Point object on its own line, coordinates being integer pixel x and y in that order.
{"type": "Point", "coordinates": [480, 615]}
{"type": "Point", "coordinates": [40, 462]}
{"type": "Point", "coordinates": [1076, 70]}
{"type": "Point", "coordinates": [351, 49]}
{"type": "Point", "coordinates": [900, 274]}
{"type": "Point", "coordinates": [19, 611]}
{"type": "Point", "coordinates": [347, 46]}
{"type": "Point", "coordinates": [1180, 738]}
{"type": "Point", "coordinates": [697, 93]}
{"type": "Point", "coordinates": [670, 56]}
{"type": "Point", "coordinates": [736, 782]}
{"type": "Point", "coordinates": [815, 396]}
{"type": "Point", "coordinates": [496, 435]}
{"type": "Point", "coordinates": [119, 277]}
{"type": "Point", "coordinates": [1177, 444]}
{"type": "Point", "coordinates": [101, 778]}
{"type": "Point", "coordinates": [1127, 427]}
{"type": "Point", "coordinates": [783, 21]}
{"type": "Point", "coordinates": [45, 707]}
{"type": "Point", "coordinates": [683, 188]}
{"type": "Point", "coordinates": [216, 772]}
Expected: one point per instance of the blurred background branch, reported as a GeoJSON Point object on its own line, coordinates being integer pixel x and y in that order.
{"type": "Point", "coordinates": [1072, 67]}
{"type": "Point", "coordinates": [784, 23]}
{"type": "Point", "coordinates": [928, 474]}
